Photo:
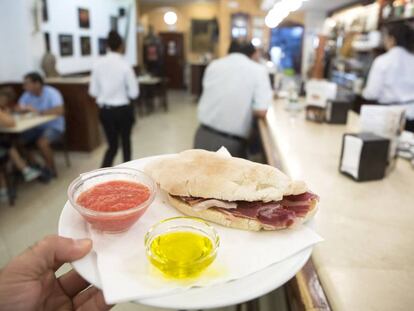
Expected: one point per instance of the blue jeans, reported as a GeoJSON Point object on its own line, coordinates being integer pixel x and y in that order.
{"type": "Point", "coordinates": [51, 134]}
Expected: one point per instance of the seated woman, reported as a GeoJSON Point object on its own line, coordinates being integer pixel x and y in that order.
{"type": "Point", "coordinates": [6, 148]}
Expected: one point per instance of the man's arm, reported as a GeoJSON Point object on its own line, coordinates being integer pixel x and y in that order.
{"type": "Point", "coordinates": [263, 94]}
{"type": "Point", "coordinates": [22, 105]}
{"type": "Point", "coordinates": [375, 82]}
{"type": "Point", "coordinates": [55, 104]}
{"type": "Point", "coordinates": [6, 119]}
{"type": "Point", "coordinates": [55, 111]}
{"type": "Point", "coordinates": [132, 84]}
{"type": "Point", "coordinates": [94, 84]}
{"type": "Point", "coordinates": [261, 114]}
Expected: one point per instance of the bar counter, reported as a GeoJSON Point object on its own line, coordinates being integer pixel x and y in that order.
{"type": "Point", "coordinates": [366, 261]}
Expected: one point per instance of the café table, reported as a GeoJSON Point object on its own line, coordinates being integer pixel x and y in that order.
{"type": "Point", "coordinates": [24, 123]}
{"type": "Point", "coordinates": [151, 88]}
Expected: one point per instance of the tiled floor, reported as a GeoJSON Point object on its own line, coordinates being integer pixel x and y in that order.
{"type": "Point", "coordinates": [38, 206]}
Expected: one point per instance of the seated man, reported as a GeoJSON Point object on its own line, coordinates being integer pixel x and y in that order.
{"type": "Point", "coordinates": [45, 100]}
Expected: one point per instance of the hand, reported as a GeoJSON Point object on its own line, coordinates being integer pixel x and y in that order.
{"type": "Point", "coordinates": [28, 282]}
{"type": "Point", "coordinates": [31, 109]}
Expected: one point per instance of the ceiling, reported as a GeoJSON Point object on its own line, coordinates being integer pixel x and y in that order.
{"type": "Point", "coordinates": [325, 5]}
{"type": "Point", "coordinates": [319, 5]}
{"type": "Point", "coordinates": [312, 5]}
{"type": "Point", "coordinates": [172, 2]}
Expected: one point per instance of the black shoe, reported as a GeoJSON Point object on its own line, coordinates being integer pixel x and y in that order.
{"type": "Point", "coordinates": [46, 176]}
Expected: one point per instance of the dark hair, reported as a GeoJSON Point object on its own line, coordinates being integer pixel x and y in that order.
{"type": "Point", "coordinates": [9, 93]}
{"type": "Point", "coordinates": [34, 77]}
{"type": "Point", "coordinates": [114, 40]}
{"type": "Point", "coordinates": [235, 47]}
{"type": "Point", "coordinates": [248, 49]}
{"type": "Point", "coordinates": [402, 34]}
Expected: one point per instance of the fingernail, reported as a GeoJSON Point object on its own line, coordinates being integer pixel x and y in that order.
{"type": "Point", "coordinates": [83, 243]}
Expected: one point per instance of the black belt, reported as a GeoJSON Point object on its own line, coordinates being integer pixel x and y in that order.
{"type": "Point", "coordinates": [113, 107]}
{"type": "Point", "coordinates": [235, 137]}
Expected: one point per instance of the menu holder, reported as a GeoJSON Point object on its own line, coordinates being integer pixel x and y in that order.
{"type": "Point", "coordinates": [337, 111]}
{"type": "Point", "coordinates": [315, 113]}
{"type": "Point", "coordinates": [364, 156]}
{"type": "Point", "coordinates": [386, 121]}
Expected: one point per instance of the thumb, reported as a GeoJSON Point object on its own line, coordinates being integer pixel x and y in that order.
{"type": "Point", "coordinates": [55, 250]}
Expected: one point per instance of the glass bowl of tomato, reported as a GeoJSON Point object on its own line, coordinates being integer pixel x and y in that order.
{"type": "Point", "coordinates": [112, 199]}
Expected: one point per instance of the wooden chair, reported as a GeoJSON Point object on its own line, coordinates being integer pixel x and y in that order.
{"type": "Point", "coordinates": [62, 144]}
{"type": "Point", "coordinates": [8, 178]}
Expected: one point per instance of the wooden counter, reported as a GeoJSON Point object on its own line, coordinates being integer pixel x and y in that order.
{"type": "Point", "coordinates": [81, 113]}
{"type": "Point", "coordinates": [366, 261]}
{"type": "Point", "coordinates": [197, 74]}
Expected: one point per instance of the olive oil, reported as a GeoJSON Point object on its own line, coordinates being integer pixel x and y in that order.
{"type": "Point", "coordinates": [182, 254]}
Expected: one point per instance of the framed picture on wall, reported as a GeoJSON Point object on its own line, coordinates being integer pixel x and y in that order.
{"type": "Point", "coordinates": [47, 41]}
{"type": "Point", "coordinates": [202, 35]}
{"type": "Point", "coordinates": [45, 15]}
{"type": "Point", "coordinates": [85, 44]}
{"type": "Point", "coordinates": [102, 46]}
{"type": "Point", "coordinates": [239, 26]}
{"type": "Point", "coordinates": [66, 45]}
{"type": "Point", "coordinates": [113, 23]}
{"type": "Point", "coordinates": [83, 16]}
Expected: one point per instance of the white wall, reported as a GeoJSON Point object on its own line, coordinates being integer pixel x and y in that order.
{"type": "Point", "coordinates": [63, 19]}
{"type": "Point", "coordinates": [22, 44]}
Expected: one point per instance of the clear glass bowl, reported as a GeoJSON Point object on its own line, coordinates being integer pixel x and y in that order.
{"type": "Point", "coordinates": [182, 247]}
{"type": "Point", "coordinates": [112, 221]}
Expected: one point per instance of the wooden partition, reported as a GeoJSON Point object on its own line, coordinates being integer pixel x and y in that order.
{"type": "Point", "coordinates": [81, 112]}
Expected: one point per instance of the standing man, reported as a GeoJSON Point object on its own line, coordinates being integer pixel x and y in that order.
{"type": "Point", "coordinates": [113, 84]}
{"type": "Point", "coordinates": [235, 89]}
{"type": "Point", "coordinates": [45, 100]}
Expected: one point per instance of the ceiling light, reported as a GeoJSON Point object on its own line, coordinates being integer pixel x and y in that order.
{"type": "Point", "coordinates": [256, 42]}
{"type": "Point", "coordinates": [170, 18]}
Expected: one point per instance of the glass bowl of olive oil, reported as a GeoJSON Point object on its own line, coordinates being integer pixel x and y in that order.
{"type": "Point", "coordinates": [182, 247]}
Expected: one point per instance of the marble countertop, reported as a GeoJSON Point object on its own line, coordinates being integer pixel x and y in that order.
{"type": "Point", "coordinates": [86, 79]}
{"type": "Point", "coordinates": [69, 80]}
{"type": "Point", "coordinates": [366, 261]}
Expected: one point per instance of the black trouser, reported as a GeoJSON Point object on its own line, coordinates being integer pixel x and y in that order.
{"type": "Point", "coordinates": [117, 122]}
{"type": "Point", "coordinates": [409, 125]}
{"type": "Point", "coordinates": [211, 140]}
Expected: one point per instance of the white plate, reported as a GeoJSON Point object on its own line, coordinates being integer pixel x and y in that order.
{"type": "Point", "coordinates": [72, 225]}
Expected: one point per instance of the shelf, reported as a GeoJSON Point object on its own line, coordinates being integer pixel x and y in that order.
{"type": "Point", "coordinates": [397, 20]}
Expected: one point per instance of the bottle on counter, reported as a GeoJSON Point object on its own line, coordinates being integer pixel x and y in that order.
{"type": "Point", "coordinates": [409, 9]}
{"type": "Point", "coordinates": [387, 11]}
{"type": "Point", "coordinates": [399, 8]}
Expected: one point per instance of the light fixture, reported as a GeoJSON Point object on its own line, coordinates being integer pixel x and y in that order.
{"type": "Point", "coordinates": [256, 42]}
{"type": "Point", "coordinates": [330, 22]}
{"type": "Point", "coordinates": [276, 15]}
{"type": "Point", "coordinates": [281, 10]}
{"type": "Point", "coordinates": [170, 18]}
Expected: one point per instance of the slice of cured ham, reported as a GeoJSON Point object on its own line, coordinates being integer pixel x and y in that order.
{"type": "Point", "coordinates": [278, 214]}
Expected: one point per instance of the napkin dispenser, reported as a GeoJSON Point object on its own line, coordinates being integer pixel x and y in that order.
{"type": "Point", "coordinates": [364, 156]}
{"type": "Point", "coordinates": [315, 114]}
{"type": "Point", "coordinates": [337, 111]}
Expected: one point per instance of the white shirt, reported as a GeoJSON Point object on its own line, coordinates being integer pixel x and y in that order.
{"type": "Point", "coordinates": [391, 79]}
{"type": "Point", "coordinates": [233, 87]}
{"type": "Point", "coordinates": [113, 81]}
